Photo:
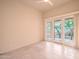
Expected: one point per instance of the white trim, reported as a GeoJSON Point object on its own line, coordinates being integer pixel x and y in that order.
{"type": "Point", "coordinates": [63, 15]}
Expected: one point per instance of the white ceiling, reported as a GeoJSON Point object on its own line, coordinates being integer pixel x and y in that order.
{"type": "Point", "coordinates": [45, 6]}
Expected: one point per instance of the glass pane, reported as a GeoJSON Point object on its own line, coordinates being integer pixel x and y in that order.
{"type": "Point", "coordinates": [57, 28]}
{"type": "Point", "coordinates": [69, 28]}
{"type": "Point", "coordinates": [49, 29]}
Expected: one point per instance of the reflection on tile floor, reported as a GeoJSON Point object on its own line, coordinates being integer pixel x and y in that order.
{"type": "Point", "coordinates": [43, 50]}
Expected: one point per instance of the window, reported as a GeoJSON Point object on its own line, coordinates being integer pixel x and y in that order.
{"type": "Point", "coordinates": [61, 30]}
{"type": "Point", "coordinates": [49, 27]}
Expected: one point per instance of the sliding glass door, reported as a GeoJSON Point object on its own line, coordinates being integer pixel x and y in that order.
{"type": "Point", "coordinates": [69, 31]}
{"type": "Point", "coordinates": [64, 31]}
{"type": "Point", "coordinates": [57, 30]}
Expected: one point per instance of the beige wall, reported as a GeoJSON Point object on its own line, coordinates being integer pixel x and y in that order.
{"type": "Point", "coordinates": [22, 25]}
{"type": "Point", "coordinates": [1, 25]}
{"type": "Point", "coordinates": [78, 29]}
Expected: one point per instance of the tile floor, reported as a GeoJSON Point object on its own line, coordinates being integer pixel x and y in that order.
{"type": "Point", "coordinates": [43, 50]}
